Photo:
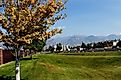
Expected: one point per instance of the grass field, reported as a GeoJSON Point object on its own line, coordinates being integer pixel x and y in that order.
{"type": "Point", "coordinates": [68, 66]}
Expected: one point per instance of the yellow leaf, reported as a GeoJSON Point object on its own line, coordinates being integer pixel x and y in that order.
{"type": "Point", "coordinates": [32, 1]}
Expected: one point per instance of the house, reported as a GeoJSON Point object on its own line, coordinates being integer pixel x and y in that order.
{"type": "Point", "coordinates": [6, 56]}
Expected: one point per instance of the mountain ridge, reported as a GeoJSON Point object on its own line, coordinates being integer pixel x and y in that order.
{"type": "Point", "coordinates": [78, 39]}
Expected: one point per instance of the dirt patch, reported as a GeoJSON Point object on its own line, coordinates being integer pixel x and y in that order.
{"type": "Point", "coordinates": [51, 67]}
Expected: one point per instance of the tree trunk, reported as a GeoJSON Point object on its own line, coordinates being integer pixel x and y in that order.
{"type": "Point", "coordinates": [30, 54]}
{"type": "Point", "coordinates": [17, 65]}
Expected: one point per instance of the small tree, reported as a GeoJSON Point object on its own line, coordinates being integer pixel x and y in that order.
{"type": "Point", "coordinates": [25, 20]}
{"type": "Point", "coordinates": [51, 49]}
{"type": "Point", "coordinates": [83, 45]}
{"type": "Point", "coordinates": [59, 46]}
{"type": "Point", "coordinates": [36, 45]}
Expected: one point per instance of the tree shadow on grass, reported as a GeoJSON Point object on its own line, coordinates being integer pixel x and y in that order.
{"type": "Point", "coordinates": [72, 54]}
{"type": "Point", "coordinates": [28, 59]}
{"type": "Point", "coordinates": [7, 77]}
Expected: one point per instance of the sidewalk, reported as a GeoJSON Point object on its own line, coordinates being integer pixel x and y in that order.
{"type": "Point", "coordinates": [6, 64]}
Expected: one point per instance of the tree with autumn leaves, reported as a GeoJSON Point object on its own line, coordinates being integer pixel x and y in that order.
{"type": "Point", "coordinates": [26, 20]}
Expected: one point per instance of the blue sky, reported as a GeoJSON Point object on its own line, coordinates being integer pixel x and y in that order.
{"type": "Point", "coordinates": [92, 17]}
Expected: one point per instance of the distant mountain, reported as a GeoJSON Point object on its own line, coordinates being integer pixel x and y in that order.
{"type": "Point", "coordinates": [113, 36]}
{"type": "Point", "coordinates": [78, 39]}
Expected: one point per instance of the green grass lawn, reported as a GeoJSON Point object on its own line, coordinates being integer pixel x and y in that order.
{"type": "Point", "coordinates": [68, 66]}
